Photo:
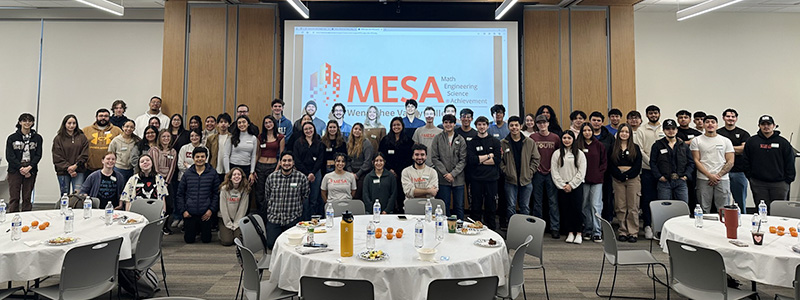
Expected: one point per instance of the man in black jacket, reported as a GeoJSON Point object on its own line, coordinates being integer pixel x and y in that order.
{"type": "Point", "coordinates": [672, 163]}
{"type": "Point", "coordinates": [23, 151]}
{"type": "Point", "coordinates": [774, 160]}
{"type": "Point", "coordinates": [483, 161]}
{"type": "Point", "coordinates": [198, 197]}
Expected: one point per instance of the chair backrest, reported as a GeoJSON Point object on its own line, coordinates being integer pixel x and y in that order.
{"type": "Point", "coordinates": [91, 270]}
{"type": "Point", "coordinates": [478, 288]}
{"type": "Point", "coordinates": [520, 226]}
{"type": "Point", "coordinates": [148, 248]}
{"type": "Point", "coordinates": [796, 282]}
{"type": "Point", "coordinates": [176, 298]}
{"type": "Point", "coordinates": [609, 240]}
{"type": "Point", "coordinates": [782, 208]}
{"type": "Point", "coordinates": [316, 288]}
{"type": "Point", "coordinates": [416, 206]}
{"type": "Point", "coordinates": [251, 277]}
{"type": "Point", "coordinates": [515, 275]}
{"type": "Point", "coordinates": [696, 268]}
{"type": "Point", "coordinates": [149, 208]}
{"type": "Point", "coordinates": [250, 238]}
{"type": "Point", "coordinates": [354, 206]}
{"type": "Point", "coordinates": [663, 210]}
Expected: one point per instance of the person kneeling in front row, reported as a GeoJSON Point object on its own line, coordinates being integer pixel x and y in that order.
{"type": "Point", "coordinates": [198, 197]}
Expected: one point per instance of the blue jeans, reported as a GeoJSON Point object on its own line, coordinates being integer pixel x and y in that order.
{"type": "Point", "coordinates": [126, 174]}
{"type": "Point", "coordinates": [524, 198]}
{"type": "Point", "coordinates": [592, 204]}
{"type": "Point", "coordinates": [739, 189]}
{"type": "Point", "coordinates": [543, 183]}
{"type": "Point", "coordinates": [64, 182]}
{"type": "Point", "coordinates": [457, 192]}
{"type": "Point", "coordinates": [673, 190]}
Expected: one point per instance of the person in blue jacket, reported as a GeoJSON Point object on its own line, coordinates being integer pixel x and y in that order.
{"type": "Point", "coordinates": [198, 197]}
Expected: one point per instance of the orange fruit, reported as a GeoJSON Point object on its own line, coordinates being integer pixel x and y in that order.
{"type": "Point", "coordinates": [781, 233]}
{"type": "Point", "coordinates": [378, 234]}
{"type": "Point", "coordinates": [389, 230]}
{"type": "Point", "coordinates": [34, 223]}
{"type": "Point", "coordinates": [781, 228]}
{"type": "Point", "coordinates": [46, 224]}
{"type": "Point", "coordinates": [25, 228]}
{"type": "Point", "coordinates": [379, 229]}
{"type": "Point", "coordinates": [42, 227]}
{"type": "Point", "coordinates": [792, 229]}
{"type": "Point", "coordinates": [399, 229]}
{"type": "Point", "coordinates": [793, 233]}
{"type": "Point", "coordinates": [399, 234]}
{"type": "Point", "coordinates": [772, 229]}
{"type": "Point", "coordinates": [389, 236]}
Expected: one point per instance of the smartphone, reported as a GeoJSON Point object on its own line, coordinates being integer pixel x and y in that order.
{"type": "Point", "coordinates": [402, 218]}
{"type": "Point", "coordinates": [316, 245]}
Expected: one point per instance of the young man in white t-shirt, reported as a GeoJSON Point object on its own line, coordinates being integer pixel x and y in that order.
{"type": "Point", "coordinates": [713, 155]}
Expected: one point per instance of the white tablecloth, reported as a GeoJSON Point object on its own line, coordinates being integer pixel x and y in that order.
{"type": "Point", "coordinates": [403, 275]}
{"type": "Point", "coordinates": [20, 262]}
{"type": "Point", "coordinates": [772, 263]}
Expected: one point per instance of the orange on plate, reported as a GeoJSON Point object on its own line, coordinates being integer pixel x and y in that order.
{"type": "Point", "coordinates": [793, 233]}
{"type": "Point", "coordinates": [389, 229]}
{"type": "Point", "coordinates": [46, 224]}
{"type": "Point", "coordinates": [25, 228]}
{"type": "Point", "coordinates": [781, 233]}
{"type": "Point", "coordinates": [42, 227]}
{"type": "Point", "coordinates": [399, 229]}
{"type": "Point", "coordinates": [781, 228]}
{"type": "Point", "coordinates": [772, 229]}
{"type": "Point", "coordinates": [792, 229]}
{"type": "Point", "coordinates": [378, 229]}
{"type": "Point", "coordinates": [399, 234]}
{"type": "Point", "coordinates": [378, 234]}
{"type": "Point", "coordinates": [389, 236]}
{"type": "Point", "coordinates": [34, 223]}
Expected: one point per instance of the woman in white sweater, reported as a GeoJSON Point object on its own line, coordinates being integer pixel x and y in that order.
{"type": "Point", "coordinates": [242, 150]}
{"type": "Point", "coordinates": [124, 146]}
{"type": "Point", "coordinates": [568, 169]}
{"type": "Point", "coordinates": [234, 196]}
{"type": "Point", "coordinates": [185, 159]}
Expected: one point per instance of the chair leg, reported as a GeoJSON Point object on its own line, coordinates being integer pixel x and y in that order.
{"type": "Point", "coordinates": [524, 296]}
{"type": "Point", "coordinates": [239, 286]}
{"type": "Point", "coordinates": [546, 292]}
{"type": "Point", "coordinates": [136, 287]}
{"type": "Point", "coordinates": [164, 274]}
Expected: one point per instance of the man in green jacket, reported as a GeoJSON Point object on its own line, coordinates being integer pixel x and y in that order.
{"type": "Point", "coordinates": [520, 161]}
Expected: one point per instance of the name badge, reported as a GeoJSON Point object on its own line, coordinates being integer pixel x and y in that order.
{"type": "Point", "coordinates": [661, 135]}
{"type": "Point", "coordinates": [170, 157]}
{"type": "Point", "coordinates": [479, 148]}
{"type": "Point", "coordinates": [108, 132]}
{"type": "Point", "coordinates": [737, 135]}
{"type": "Point", "coordinates": [140, 185]}
{"type": "Point", "coordinates": [663, 151]}
{"type": "Point", "coordinates": [469, 138]}
{"type": "Point", "coordinates": [775, 145]}
{"type": "Point", "coordinates": [426, 177]}
{"type": "Point", "coordinates": [508, 150]}
{"type": "Point", "coordinates": [123, 149]}
{"type": "Point", "coordinates": [496, 135]}
{"type": "Point", "coordinates": [293, 184]}
{"type": "Point", "coordinates": [263, 146]}
{"type": "Point", "coordinates": [113, 178]}
{"type": "Point", "coordinates": [690, 136]}
{"type": "Point", "coordinates": [281, 130]}
{"type": "Point", "coordinates": [457, 142]}
{"type": "Point", "coordinates": [249, 142]}
{"type": "Point", "coordinates": [315, 159]}
{"type": "Point", "coordinates": [329, 149]}
{"type": "Point", "coordinates": [390, 151]}
{"type": "Point", "coordinates": [719, 147]}
{"type": "Point", "coordinates": [374, 136]}
{"type": "Point", "coordinates": [585, 150]}
{"type": "Point", "coordinates": [376, 181]}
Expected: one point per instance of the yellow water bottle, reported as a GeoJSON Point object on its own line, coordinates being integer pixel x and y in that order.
{"type": "Point", "coordinates": [347, 234]}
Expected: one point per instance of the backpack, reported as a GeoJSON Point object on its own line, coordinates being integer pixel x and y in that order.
{"type": "Point", "coordinates": [146, 282]}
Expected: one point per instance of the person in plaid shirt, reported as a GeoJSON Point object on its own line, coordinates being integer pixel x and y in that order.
{"type": "Point", "coordinates": [286, 192]}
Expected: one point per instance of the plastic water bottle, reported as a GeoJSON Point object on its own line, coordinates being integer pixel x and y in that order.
{"type": "Point", "coordinates": [16, 228]}
{"type": "Point", "coordinates": [371, 236]}
{"type": "Point", "coordinates": [440, 229]}
{"type": "Point", "coordinates": [64, 202]}
{"type": "Point", "coordinates": [69, 220]}
{"type": "Point", "coordinates": [2, 210]}
{"type": "Point", "coordinates": [754, 222]}
{"type": "Point", "coordinates": [698, 216]}
{"type": "Point", "coordinates": [418, 234]}
{"type": "Point", "coordinates": [109, 213]}
{"type": "Point", "coordinates": [762, 212]}
{"type": "Point", "coordinates": [428, 211]}
{"type": "Point", "coordinates": [87, 208]}
{"type": "Point", "coordinates": [376, 212]}
{"type": "Point", "coordinates": [329, 215]}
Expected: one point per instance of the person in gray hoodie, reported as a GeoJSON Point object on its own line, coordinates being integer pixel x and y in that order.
{"type": "Point", "coordinates": [449, 156]}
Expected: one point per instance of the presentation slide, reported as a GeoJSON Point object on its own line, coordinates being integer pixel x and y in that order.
{"type": "Point", "coordinates": [383, 64]}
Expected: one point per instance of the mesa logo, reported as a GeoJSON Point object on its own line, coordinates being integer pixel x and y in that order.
{"type": "Point", "coordinates": [325, 83]}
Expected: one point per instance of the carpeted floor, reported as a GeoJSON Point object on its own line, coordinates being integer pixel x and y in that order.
{"type": "Point", "coordinates": [210, 271]}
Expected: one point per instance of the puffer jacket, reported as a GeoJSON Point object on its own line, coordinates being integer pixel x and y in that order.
{"type": "Point", "coordinates": [198, 193]}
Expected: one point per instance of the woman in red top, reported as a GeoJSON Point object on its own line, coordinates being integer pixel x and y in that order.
{"type": "Point", "coordinates": [270, 144]}
{"type": "Point", "coordinates": [596, 164]}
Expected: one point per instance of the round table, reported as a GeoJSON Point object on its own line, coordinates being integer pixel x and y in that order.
{"type": "Point", "coordinates": [29, 258]}
{"type": "Point", "coordinates": [772, 263]}
{"type": "Point", "coordinates": [402, 275]}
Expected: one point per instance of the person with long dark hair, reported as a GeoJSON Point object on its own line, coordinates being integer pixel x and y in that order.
{"type": "Point", "coordinates": [180, 136]}
{"type": "Point", "coordinates": [568, 167]}
{"type": "Point", "coordinates": [164, 162]}
{"type": "Point", "coordinates": [127, 154]}
{"type": "Point", "coordinates": [155, 122]}
{"type": "Point", "coordinates": [185, 159]}
{"type": "Point", "coordinates": [145, 184]}
{"type": "Point", "coordinates": [379, 185]}
{"type": "Point", "coordinates": [70, 153]}
{"type": "Point", "coordinates": [23, 152]}
{"type": "Point", "coordinates": [625, 164]}
{"type": "Point", "coordinates": [397, 147]}
{"type": "Point", "coordinates": [334, 143]}
{"type": "Point", "coordinates": [298, 127]}
{"type": "Point", "coordinates": [359, 153]}
{"type": "Point", "coordinates": [548, 112]}
{"type": "Point", "coordinates": [242, 150]}
{"type": "Point", "coordinates": [596, 165]}
{"type": "Point", "coordinates": [309, 156]}
{"type": "Point", "coordinates": [270, 144]}
{"type": "Point", "coordinates": [340, 184]}
{"type": "Point", "coordinates": [234, 195]}
{"type": "Point", "coordinates": [194, 123]}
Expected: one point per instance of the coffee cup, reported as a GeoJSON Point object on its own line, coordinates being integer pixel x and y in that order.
{"type": "Point", "coordinates": [758, 237]}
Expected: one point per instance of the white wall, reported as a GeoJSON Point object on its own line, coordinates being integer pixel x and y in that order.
{"type": "Point", "coordinates": [86, 65]}
{"type": "Point", "coordinates": [747, 61]}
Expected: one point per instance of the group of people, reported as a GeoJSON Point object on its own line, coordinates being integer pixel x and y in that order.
{"type": "Point", "coordinates": [214, 171]}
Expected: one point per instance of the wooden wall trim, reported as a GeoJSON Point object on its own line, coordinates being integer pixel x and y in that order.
{"type": "Point", "coordinates": [623, 67]}
{"type": "Point", "coordinates": [541, 59]}
{"type": "Point", "coordinates": [589, 61]}
{"type": "Point", "coordinates": [207, 46]}
{"type": "Point", "coordinates": [172, 69]}
{"type": "Point", "coordinates": [254, 85]}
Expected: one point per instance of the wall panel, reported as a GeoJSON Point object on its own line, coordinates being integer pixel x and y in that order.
{"type": "Point", "coordinates": [205, 83]}
{"type": "Point", "coordinates": [255, 74]}
{"type": "Point", "coordinates": [589, 48]}
{"type": "Point", "coordinates": [623, 67]}
{"type": "Point", "coordinates": [541, 59]}
{"type": "Point", "coordinates": [174, 55]}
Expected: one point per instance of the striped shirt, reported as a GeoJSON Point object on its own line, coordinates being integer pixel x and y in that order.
{"type": "Point", "coordinates": [285, 194]}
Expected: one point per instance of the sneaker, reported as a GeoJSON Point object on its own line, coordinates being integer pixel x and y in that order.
{"type": "Point", "coordinates": [597, 239]}
{"type": "Point", "coordinates": [578, 239]}
{"type": "Point", "coordinates": [555, 234]}
{"type": "Point", "coordinates": [622, 238]}
{"type": "Point", "coordinates": [167, 231]}
{"type": "Point", "coordinates": [632, 239]}
{"type": "Point", "coordinates": [648, 232]}
{"type": "Point", "coordinates": [174, 223]}
{"type": "Point", "coordinates": [180, 224]}
{"type": "Point", "coordinates": [570, 238]}
{"type": "Point", "coordinates": [587, 236]}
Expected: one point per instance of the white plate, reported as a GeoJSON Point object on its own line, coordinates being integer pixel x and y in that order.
{"type": "Point", "coordinates": [130, 221]}
{"type": "Point", "coordinates": [304, 226]}
{"type": "Point", "coordinates": [485, 243]}
{"type": "Point", "coordinates": [70, 240]}
{"type": "Point", "coordinates": [466, 224]}
{"type": "Point", "coordinates": [365, 256]}
{"type": "Point", "coordinates": [469, 231]}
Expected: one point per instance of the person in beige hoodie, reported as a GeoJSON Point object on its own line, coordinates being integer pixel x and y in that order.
{"type": "Point", "coordinates": [234, 196]}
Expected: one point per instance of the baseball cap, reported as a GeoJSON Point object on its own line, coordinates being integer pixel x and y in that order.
{"type": "Point", "coordinates": [766, 118]}
{"type": "Point", "coordinates": [670, 124]}
{"type": "Point", "coordinates": [540, 118]}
